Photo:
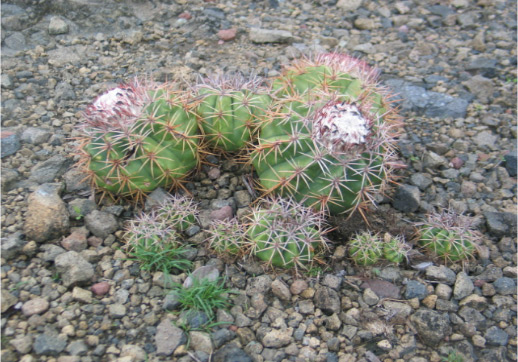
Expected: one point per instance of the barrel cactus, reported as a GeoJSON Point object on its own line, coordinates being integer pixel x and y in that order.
{"type": "Point", "coordinates": [138, 137]}
{"type": "Point", "coordinates": [328, 140]}
{"type": "Point", "coordinates": [449, 236]}
{"type": "Point", "coordinates": [284, 233]}
{"type": "Point", "coordinates": [228, 110]}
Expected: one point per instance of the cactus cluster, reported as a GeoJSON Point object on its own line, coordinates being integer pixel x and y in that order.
{"type": "Point", "coordinates": [328, 140]}
{"type": "Point", "coordinates": [138, 137]}
{"type": "Point", "coordinates": [449, 235]}
{"type": "Point", "coordinates": [367, 248]}
{"type": "Point", "coordinates": [284, 233]}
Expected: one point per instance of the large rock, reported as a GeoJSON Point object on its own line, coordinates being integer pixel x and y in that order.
{"type": "Point", "coordinates": [73, 268]}
{"type": "Point", "coordinates": [327, 300]}
{"type": "Point", "coordinates": [168, 337]}
{"type": "Point", "coordinates": [47, 215]}
{"type": "Point", "coordinates": [432, 326]}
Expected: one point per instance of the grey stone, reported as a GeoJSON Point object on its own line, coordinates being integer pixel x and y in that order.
{"type": "Point", "coordinates": [501, 223]}
{"type": "Point", "coordinates": [9, 178]}
{"type": "Point", "coordinates": [171, 302]}
{"type": "Point", "coordinates": [12, 245]}
{"type": "Point", "coordinates": [433, 160]}
{"type": "Point", "coordinates": [277, 338]}
{"type": "Point", "coordinates": [332, 281]}
{"type": "Point", "coordinates": [78, 208]}
{"type": "Point", "coordinates": [349, 5]}
{"type": "Point", "coordinates": [259, 35]}
{"type": "Point", "coordinates": [242, 198]}
{"type": "Point", "coordinates": [49, 170]}
{"type": "Point", "coordinates": [433, 327]}
{"type": "Point", "coordinates": [496, 337]}
{"type": "Point", "coordinates": [10, 143]}
{"type": "Point", "coordinates": [473, 316]}
{"type": "Point", "coordinates": [168, 337]}
{"type": "Point", "coordinates": [7, 300]}
{"type": "Point", "coordinates": [510, 163]}
{"type": "Point", "coordinates": [49, 343]}
{"type": "Point", "coordinates": [51, 251]}
{"type": "Point", "coordinates": [35, 136]}
{"type": "Point", "coordinates": [421, 180]}
{"type": "Point", "coordinates": [35, 306]}
{"type": "Point", "coordinates": [75, 181]}
{"type": "Point", "coordinates": [209, 272]}
{"type": "Point", "coordinates": [505, 286]}
{"type": "Point", "coordinates": [73, 268]}
{"type": "Point", "coordinates": [327, 300]}
{"type": "Point", "coordinates": [485, 66]}
{"type": "Point", "coordinates": [57, 26]}
{"type": "Point", "coordinates": [231, 353]}
{"type": "Point", "coordinates": [258, 285]}
{"type": "Point", "coordinates": [481, 87]}
{"type": "Point", "coordinates": [222, 336]}
{"type": "Point", "coordinates": [280, 289]}
{"type": "Point", "coordinates": [463, 286]}
{"type": "Point", "coordinates": [47, 216]}
{"type": "Point", "coordinates": [101, 223]}
{"type": "Point", "coordinates": [407, 198]}
{"type": "Point", "coordinates": [441, 273]}
{"type": "Point", "coordinates": [486, 139]}
{"type": "Point", "coordinates": [22, 344]}
{"type": "Point", "coordinates": [370, 297]}
{"type": "Point", "coordinates": [16, 41]}
{"type": "Point", "coordinates": [415, 289]}
{"type": "Point", "coordinates": [77, 348]}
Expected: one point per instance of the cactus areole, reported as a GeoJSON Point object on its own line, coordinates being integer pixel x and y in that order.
{"type": "Point", "coordinates": [328, 140]}
{"type": "Point", "coordinates": [137, 137]}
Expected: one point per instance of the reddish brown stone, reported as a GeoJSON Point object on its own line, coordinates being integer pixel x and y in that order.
{"type": "Point", "coordinates": [101, 288]}
{"type": "Point", "coordinates": [227, 34]}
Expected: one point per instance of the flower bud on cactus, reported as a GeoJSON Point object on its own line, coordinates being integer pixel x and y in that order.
{"type": "Point", "coordinates": [365, 248]}
{"type": "Point", "coordinates": [138, 137]}
{"type": "Point", "coordinates": [449, 235]}
{"type": "Point", "coordinates": [229, 109]}
{"type": "Point", "coordinates": [226, 237]}
{"type": "Point", "coordinates": [395, 249]}
{"type": "Point", "coordinates": [328, 140]}
{"type": "Point", "coordinates": [285, 234]}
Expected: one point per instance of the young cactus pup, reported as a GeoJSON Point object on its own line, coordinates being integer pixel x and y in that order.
{"type": "Point", "coordinates": [395, 248]}
{"type": "Point", "coordinates": [229, 109]}
{"type": "Point", "coordinates": [365, 248]}
{"type": "Point", "coordinates": [284, 233]}
{"type": "Point", "coordinates": [449, 236]}
{"type": "Point", "coordinates": [226, 237]}
{"type": "Point", "coordinates": [138, 137]}
{"type": "Point", "coordinates": [329, 138]}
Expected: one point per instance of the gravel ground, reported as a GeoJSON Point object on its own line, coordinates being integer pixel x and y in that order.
{"type": "Point", "coordinates": [68, 294]}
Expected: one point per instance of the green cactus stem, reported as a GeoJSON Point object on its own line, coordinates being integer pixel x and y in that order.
{"type": "Point", "coordinates": [449, 235]}
{"type": "Point", "coordinates": [138, 137]}
{"type": "Point", "coordinates": [228, 110]}
{"type": "Point", "coordinates": [329, 138]}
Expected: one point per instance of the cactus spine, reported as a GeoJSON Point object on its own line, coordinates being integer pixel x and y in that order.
{"type": "Point", "coordinates": [329, 138]}
{"type": "Point", "coordinates": [138, 137]}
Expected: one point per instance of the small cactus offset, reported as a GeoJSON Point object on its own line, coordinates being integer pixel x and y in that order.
{"type": "Point", "coordinates": [395, 248]}
{"type": "Point", "coordinates": [449, 236]}
{"type": "Point", "coordinates": [284, 233]}
{"type": "Point", "coordinates": [365, 248]}
{"type": "Point", "coordinates": [138, 137]}
{"type": "Point", "coordinates": [178, 212]}
{"type": "Point", "coordinates": [226, 237]}
{"type": "Point", "coordinates": [328, 140]}
{"type": "Point", "coordinates": [229, 109]}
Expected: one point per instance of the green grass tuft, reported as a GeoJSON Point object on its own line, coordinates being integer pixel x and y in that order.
{"type": "Point", "coordinates": [155, 257]}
